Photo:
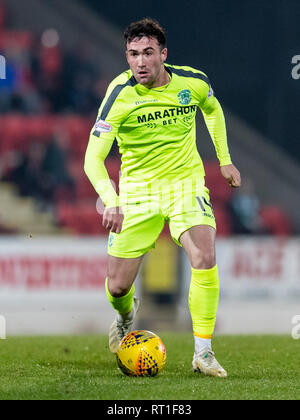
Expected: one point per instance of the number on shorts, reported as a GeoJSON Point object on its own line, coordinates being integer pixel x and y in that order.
{"type": "Point", "coordinates": [201, 200]}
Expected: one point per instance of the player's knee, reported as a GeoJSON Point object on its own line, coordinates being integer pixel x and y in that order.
{"type": "Point", "coordinates": [117, 288]}
{"type": "Point", "coordinates": [203, 259]}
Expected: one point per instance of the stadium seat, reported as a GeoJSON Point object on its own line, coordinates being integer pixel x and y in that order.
{"type": "Point", "coordinates": [50, 60]}
{"type": "Point", "coordinates": [275, 220]}
{"type": "Point", "coordinates": [113, 166]}
{"type": "Point", "coordinates": [78, 129]}
{"type": "Point", "coordinates": [83, 219]}
{"type": "Point", "coordinates": [13, 133]}
{"type": "Point", "coordinates": [220, 192]}
{"type": "Point", "coordinates": [11, 39]}
{"type": "Point", "coordinates": [84, 188]}
{"type": "Point", "coordinates": [40, 127]}
{"type": "Point", "coordinates": [223, 220]}
{"type": "Point", "coordinates": [18, 132]}
{"type": "Point", "coordinates": [64, 194]}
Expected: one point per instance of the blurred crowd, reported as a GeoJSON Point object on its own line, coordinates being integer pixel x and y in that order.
{"type": "Point", "coordinates": [42, 171]}
{"type": "Point", "coordinates": [42, 76]}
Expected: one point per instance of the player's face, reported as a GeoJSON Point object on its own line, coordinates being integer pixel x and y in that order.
{"type": "Point", "coordinates": [146, 61]}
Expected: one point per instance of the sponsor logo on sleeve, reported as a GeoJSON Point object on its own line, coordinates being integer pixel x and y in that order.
{"type": "Point", "coordinates": [210, 92]}
{"type": "Point", "coordinates": [101, 127]}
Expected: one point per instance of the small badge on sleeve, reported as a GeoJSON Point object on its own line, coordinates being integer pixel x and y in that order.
{"type": "Point", "coordinates": [210, 92]}
{"type": "Point", "coordinates": [101, 127]}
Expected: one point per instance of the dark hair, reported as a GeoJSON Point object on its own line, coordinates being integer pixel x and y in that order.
{"type": "Point", "coordinates": [146, 27]}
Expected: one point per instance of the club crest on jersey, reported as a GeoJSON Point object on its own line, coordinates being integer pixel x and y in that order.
{"type": "Point", "coordinates": [184, 97]}
{"type": "Point", "coordinates": [102, 126]}
{"type": "Point", "coordinates": [110, 240]}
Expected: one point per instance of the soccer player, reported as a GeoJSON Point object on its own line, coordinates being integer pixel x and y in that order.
{"type": "Point", "coordinates": [151, 110]}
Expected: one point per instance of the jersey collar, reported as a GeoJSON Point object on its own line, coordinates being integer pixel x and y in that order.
{"type": "Point", "coordinates": [157, 89]}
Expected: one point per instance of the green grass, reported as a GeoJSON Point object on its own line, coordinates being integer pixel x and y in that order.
{"type": "Point", "coordinates": [81, 367]}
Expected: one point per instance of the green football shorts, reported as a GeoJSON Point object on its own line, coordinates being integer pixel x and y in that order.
{"type": "Point", "coordinates": [183, 205]}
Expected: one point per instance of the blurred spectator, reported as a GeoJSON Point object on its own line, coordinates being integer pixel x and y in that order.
{"type": "Point", "coordinates": [80, 80]}
{"type": "Point", "coordinates": [42, 171]}
{"type": "Point", "coordinates": [18, 92]}
{"type": "Point", "coordinates": [49, 77]}
{"type": "Point", "coordinates": [44, 77]}
{"type": "Point", "coordinates": [54, 169]}
{"type": "Point", "coordinates": [245, 208]}
{"type": "Point", "coordinates": [8, 85]}
{"type": "Point", "coordinates": [3, 14]}
{"type": "Point", "coordinates": [26, 172]}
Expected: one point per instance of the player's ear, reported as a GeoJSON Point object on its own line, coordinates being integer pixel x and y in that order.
{"type": "Point", "coordinates": [164, 53]}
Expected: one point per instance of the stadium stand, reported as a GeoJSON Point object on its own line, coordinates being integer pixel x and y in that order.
{"type": "Point", "coordinates": [52, 95]}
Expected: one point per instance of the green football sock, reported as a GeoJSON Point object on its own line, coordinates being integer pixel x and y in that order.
{"type": "Point", "coordinates": [122, 304]}
{"type": "Point", "coordinates": [203, 301]}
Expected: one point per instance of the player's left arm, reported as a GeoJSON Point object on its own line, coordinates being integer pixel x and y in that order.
{"type": "Point", "coordinates": [215, 122]}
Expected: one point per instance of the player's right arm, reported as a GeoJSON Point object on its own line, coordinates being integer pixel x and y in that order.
{"type": "Point", "coordinates": [100, 142]}
{"type": "Point", "coordinates": [97, 173]}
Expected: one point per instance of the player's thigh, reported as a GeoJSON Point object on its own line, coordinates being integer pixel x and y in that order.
{"type": "Point", "coordinates": [191, 209]}
{"type": "Point", "coordinates": [192, 225]}
{"type": "Point", "coordinates": [199, 244]}
{"type": "Point", "coordinates": [121, 273]}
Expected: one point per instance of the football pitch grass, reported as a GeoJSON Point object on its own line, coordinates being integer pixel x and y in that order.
{"type": "Point", "coordinates": [82, 368]}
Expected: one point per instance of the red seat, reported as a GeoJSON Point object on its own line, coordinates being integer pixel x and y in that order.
{"type": "Point", "coordinates": [223, 220]}
{"type": "Point", "coordinates": [20, 39]}
{"type": "Point", "coordinates": [50, 59]}
{"type": "Point", "coordinates": [275, 220]}
{"type": "Point", "coordinates": [85, 189]}
{"type": "Point", "coordinates": [83, 184]}
{"type": "Point", "coordinates": [113, 166]}
{"type": "Point", "coordinates": [13, 133]}
{"type": "Point", "coordinates": [40, 127]}
{"type": "Point", "coordinates": [82, 219]}
{"type": "Point", "coordinates": [220, 191]}
{"type": "Point", "coordinates": [78, 129]}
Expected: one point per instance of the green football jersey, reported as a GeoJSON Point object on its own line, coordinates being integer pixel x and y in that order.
{"type": "Point", "coordinates": [155, 128]}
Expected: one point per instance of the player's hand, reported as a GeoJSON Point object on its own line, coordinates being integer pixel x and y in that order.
{"type": "Point", "coordinates": [113, 219]}
{"type": "Point", "coordinates": [232, 175]}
